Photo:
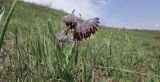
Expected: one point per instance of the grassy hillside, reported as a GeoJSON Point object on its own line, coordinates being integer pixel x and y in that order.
{"type": "Point", "coordinates": [32, 54]}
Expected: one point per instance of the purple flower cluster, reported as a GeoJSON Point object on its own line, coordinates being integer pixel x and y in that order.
{"type": "Point", "coordinates": [71, 21]}
{"type": "Point", "coordinates": [86, 29]}
{"type": "Point", "coordinates": [81, 31]}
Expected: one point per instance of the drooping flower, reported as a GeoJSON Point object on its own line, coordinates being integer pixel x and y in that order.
{"type": "Point", "coordinates": [61, 37]}
{"type": "Point", "coordinates": [85, 30]}
{"type": "Point", "coordinates": [70, 20]}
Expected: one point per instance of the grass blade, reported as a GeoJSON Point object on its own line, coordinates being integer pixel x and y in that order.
{"type": "Point", "coordinates": [2, 13]}
{"type": "Point", "coordinates": [7, 23]}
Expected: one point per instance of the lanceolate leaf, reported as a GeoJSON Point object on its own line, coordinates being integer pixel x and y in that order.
{"type": "Point", "coordinates": [60, 55]}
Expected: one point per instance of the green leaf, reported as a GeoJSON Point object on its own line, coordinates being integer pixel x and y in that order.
{"type": "Point", "coordinates": [61, 57]}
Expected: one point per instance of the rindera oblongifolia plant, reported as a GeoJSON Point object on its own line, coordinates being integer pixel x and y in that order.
{"type": "Point", "coordinates": [81, 31]}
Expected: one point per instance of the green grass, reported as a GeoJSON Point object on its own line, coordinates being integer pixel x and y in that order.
{"type": "Point", "coordinates": [32, 54]}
